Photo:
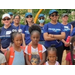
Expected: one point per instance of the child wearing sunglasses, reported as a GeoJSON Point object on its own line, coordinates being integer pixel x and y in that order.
{"type": "Point", "coordinates": [53, 33]}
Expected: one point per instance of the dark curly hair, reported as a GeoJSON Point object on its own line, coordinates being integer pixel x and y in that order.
{"type": "Point", "coordinates": [35, 28]}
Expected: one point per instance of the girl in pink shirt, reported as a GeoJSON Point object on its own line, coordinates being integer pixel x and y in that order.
{"type": "Point", "coordinates": [71, 55]}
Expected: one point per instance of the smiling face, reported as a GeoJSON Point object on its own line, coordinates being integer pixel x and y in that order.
{"type": "Point", "coordinates": [6, 21]}
{"type": "Point", "coordinates": [65, 18]}
{"type": "Point", "coordinates": [54, 16]}
{"type": "Point", "coordinates": [17, 20]}
{"type": "Point", "coordinates": [17, 40]}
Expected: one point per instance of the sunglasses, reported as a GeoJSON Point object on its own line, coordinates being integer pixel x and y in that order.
{"type": "Point", "coordinates": [54, 15]}
{"type": "Point", "coordinates": [30, 16]}
{"type": "Point", "coordinates": [6, 19]}
{"type": "Point", "coordinates": [41, 18]}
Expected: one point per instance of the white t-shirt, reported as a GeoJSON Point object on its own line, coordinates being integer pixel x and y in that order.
{"type": "Point", "coordinates": [35, 50]}
{"type": "Point", "coordinates": [2, 58]}
{"type": "Point", "coordinates": [57, 63]}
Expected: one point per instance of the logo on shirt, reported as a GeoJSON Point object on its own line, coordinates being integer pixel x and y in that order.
{"type": "Point", "coordinates": [54, 29]}
{"type": "Point", "coordinates": [66, 28]}
{"type": "Point", "coordinates": [27, 32]}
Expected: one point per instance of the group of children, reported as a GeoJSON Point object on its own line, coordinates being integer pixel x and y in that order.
{"type": "Point", "coordinates": [35, 50]}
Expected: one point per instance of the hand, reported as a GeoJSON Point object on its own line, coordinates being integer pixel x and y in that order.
{"type": "Point", "coordinates": [3, 50]}
{"type": "Point", "coordinates": [51, 35]}
{"type": "Point", "coordinates": [66, 44]}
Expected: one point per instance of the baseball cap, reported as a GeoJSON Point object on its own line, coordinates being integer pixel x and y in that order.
{"type": "Point", "coordinates": [41, 15]}
{"type": "Point", "coordinates": [65, 14]}
{"type": "Point", "coordinates": [10, 13]}
{"type": "Point", "coordinates": [28, 14]}
{"type": "Point", "coordinates": [5, 15]}
{"type": "Point", "coordinates": [52, 11]}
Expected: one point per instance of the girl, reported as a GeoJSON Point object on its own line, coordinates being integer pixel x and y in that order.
{"type": "Point", "coordinates": [53, 33]}
{"type": "Point", "coordinates": [70, 58]}
{"type": "Point", "coordinates": [6, 32]}
{"type": "Point", "coordinates": [68, 29]}
{"type": "Point", "coordinates": [41, 24]}
{"type": "Point", "coordinates": [15, 55]}
{"type": "Point", "coordinates": [35, 50]}
{"type": "Point", "coordinates": [29, 23]}
{"type": "Point", "coordinates": [52, 56]}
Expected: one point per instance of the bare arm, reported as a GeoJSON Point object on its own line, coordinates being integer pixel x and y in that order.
{"type": "Point", "coordinates": [47, 37]}
{"type": "Point", "coordinates": [61, 36]}
{"type": "Point", "coordinates": [7, 56]}
{"type": "Point", "coordinates": [71, 28]}
{"type": "Point", "coordinates": [23, 36]}
{"type": "Point", "coordinates": [43, 59]}
{"type": "Point", "coordinates": [27, 60]}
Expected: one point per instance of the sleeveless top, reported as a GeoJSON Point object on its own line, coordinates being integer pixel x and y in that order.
{"type": "Point", "coordinates": [19, 58]}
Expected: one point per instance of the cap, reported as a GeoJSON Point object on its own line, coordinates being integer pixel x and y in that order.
{"type": "Point", "coordinates": [5, 15]}
{"type": "Point", "coordinates": [27, 14]}
{"type": "Point", "coordinates": [41, 15]}
{"type": "Point", "coordinates": [52, 11]}
{"type": "Point", "coordinates": [65, 14]}
{"type": "Point", "coordinates": [10, 13]}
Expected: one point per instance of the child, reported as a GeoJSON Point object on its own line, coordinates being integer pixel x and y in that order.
{"type": "Point", "coordinates": [71, 55]}
{"type": "Point", "coordinates": [35, 50]}
{"type": "Point", "coordinates": [2, 57]}
{"type": "Point", "coordinates": [52, 55]}
{"type": "Point", "coordinates": [15, 55]}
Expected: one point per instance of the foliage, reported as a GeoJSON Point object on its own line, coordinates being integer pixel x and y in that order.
{"type": "Point", "coordinates": [22, 12]}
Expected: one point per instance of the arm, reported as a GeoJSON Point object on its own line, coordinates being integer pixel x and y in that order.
{"type": "Point", "coordinates": [47, 37]}
{"type": "Point", "coordinates": [30, 43]}
{"type": "Point", "coordinates": [3, 64]}
{"type": "Point", "coordinates": [27, 60]}
{"type": "Point", "coordinates": [7, 56]}
{"type": "Point", "coordinates": [43, 59]}
{"type": "Point", "coordinates": [71, 28]}
{"type": "Point", "coordinates": [23, 36]}
{"type": "Point", "coordinates": [61, 36]}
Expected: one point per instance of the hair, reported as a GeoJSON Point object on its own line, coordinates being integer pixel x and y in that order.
{"type": "Point", "coordinates": [17, 15]}
{"type": "Point", "coordinates": [52, 48]}
{"type": "Point", "coordinates": [14, 34]}
{"type": "Point", "coordinates": [34, 28]}
{"type": "Point", "coordinates": [71, 49]}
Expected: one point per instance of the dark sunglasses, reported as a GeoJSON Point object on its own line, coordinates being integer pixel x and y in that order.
{"type": "Point", "coordinates": [41, 18]}
{"type": "Point", "coordinates": [29, 16]}
{"type": "Point", "coordinates": [6, 19]}
{"type": "Point", "coordinates": [54, 15]}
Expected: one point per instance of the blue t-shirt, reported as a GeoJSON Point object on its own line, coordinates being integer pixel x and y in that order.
{"type": "Point", "coordinates": [73, 32]}
{"type": "Point", "coordinates": [27, 34]}
{"type": "Point", "coordinates": [6, 36]}
{"type": "Point", "coordinates": [53, 29]}
{"type": "Point", "coordinates": [41, 37]}
{"type": "Point", "coordinates": [67, 29]}
{"type": "Point", "coordinates": [19, 27]}
{"type": "Point", "coordinates": [12, 23]}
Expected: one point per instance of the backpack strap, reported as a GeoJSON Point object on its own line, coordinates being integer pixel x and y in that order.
{"type": "Point", "coordinates": [39, 51]}
{"type": "Point", "coordinates": [23, 48]}
{"type": "Point", "coordinates": [11, 57]}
